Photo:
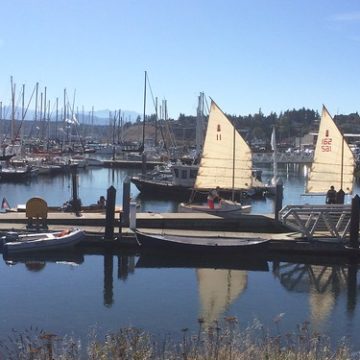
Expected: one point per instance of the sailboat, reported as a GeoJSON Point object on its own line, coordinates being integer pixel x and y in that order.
{"type": "Point", "coordinates": [226, 162]}
{"type": "Point", "coordinates": [334, 162]}
{"type": "Point", "coordinates": [271, 186]}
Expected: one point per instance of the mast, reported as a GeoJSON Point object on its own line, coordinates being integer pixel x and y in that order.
{"type": "Point", "coordinates": [342, 164]}
{"type": "Point", "coordinates": [1, 123]}
{"type": "Point", "coordinates": [118, 126]}
{"type": "Point", "coordinates": [200, 124]}
{"type": "Point", "coordinates": [156, 121]}
{"type": "Point", "coordinates": [65, 122]}
{"type": "Point", "coordinates": [13, 88]}
{"type": "Point", "coordinates": [57, 118]}
{"type": "Point", "coordinates": [41, 113]}
{"type": "Point", "coordinates": [143, 132]}
{"type": "Point", "coordinates": [36, 102]}
{"type": "Point", "coordinates": [44, 117]}
{"type": "Point", "coordinates": [233, 165]}
{"type": "Point", "coordinates": [23, 103]}
{"type": "Point", "coordinates": [92, 122]}
{"type": "Point", "coordinates": [48, 124]}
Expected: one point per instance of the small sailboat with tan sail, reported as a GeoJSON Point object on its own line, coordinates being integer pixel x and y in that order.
{"type": "Point", "coordinates": [334, 162]}
{"type": "Point", "coordinates": [226, 164]}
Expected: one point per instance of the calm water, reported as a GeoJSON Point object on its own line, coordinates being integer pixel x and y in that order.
{"type": "Point", "coordinates": [83, 291]}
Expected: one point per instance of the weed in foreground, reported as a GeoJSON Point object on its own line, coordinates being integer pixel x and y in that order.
{"type": "Point", "coordinates": [221, 341]}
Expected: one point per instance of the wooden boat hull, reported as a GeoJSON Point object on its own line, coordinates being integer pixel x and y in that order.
{"type": "Point", "coordinates": [43, 241]}
{"type": "Point", "coordinates": [165, 189]}
{"type": "Point", "coordinates": [216, 245]}
{"type": "Point", "coordinates": [224, 209]}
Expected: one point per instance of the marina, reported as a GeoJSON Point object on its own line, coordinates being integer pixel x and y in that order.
{"type": "Point", "coordinates": [127, 284]}
{"type": "Point", "coordinates": [164, 238]}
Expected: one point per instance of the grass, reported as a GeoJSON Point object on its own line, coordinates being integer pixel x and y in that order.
{"type": "Point", "coordinates": [221, 341]}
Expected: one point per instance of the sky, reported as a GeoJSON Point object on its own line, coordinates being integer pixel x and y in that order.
{"type": "Point", "coordinates": [246, 55]}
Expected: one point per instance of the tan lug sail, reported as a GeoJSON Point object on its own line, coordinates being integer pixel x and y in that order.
{"type": "Point", "coordinates": [334, 162]}
{"type": "Point", "coordinates": [226, 158]}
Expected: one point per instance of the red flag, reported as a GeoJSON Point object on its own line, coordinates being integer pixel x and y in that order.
{"type": "Point", "coordinates": [5, 204]}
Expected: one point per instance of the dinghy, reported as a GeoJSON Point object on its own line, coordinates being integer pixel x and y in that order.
{"type": "Point", "coordinates": [203, 244]}
{"type": "Point", "coordinates": [30, 242]}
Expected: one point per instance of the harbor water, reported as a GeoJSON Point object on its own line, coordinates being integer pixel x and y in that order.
{"type": "Point", "coordinates": [76, 293]}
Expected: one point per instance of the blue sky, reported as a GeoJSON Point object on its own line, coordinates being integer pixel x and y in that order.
{"type": "Point", "coordinates": [269, 54]}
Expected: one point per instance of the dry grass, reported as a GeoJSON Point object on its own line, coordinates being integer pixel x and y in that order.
{"type": "Point", "coordinates": [223, 341]}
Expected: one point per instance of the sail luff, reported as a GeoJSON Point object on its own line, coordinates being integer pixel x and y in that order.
{"type": "Point", "coordinates": [226, 159]}
{"type": "Point", "coordinates": [333, 162]}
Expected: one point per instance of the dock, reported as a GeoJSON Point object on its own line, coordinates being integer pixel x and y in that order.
{"type": "Point", "coordinates": [283, 239]}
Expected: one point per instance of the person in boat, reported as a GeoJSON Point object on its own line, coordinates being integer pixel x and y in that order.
{"type": "Point", "coordinates": [331, 195]}
{"type": "Point", "coordinates": [102, 202]}
{"type": "Point", "coordinates": [212, 196]}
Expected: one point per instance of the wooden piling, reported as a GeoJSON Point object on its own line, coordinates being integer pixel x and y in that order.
{"type": "Point", "coordinates": [354, 222]}
{"type": "Point", "coordinates": [75, 201]}
{"type": "Point", "coordinates": [126, 202]}
{"type": "Point", "coordinates": [278, 198]}
{"type": "Point", "coordinates": [110, 213]}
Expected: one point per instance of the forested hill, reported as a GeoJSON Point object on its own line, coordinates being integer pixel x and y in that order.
{"type": "Point", "coordinates": [288, 124]}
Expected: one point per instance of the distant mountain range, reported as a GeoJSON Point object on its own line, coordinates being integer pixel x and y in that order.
{"type": "Point", "coordinates": [101, 117]}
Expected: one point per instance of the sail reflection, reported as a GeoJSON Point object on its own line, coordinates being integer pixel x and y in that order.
{"type": "Point", "coordinates": [220, 280]}
{"type": "Point", "coordinates": [323, 283]}
{"type": "Point", "coordinates": [218, 289]}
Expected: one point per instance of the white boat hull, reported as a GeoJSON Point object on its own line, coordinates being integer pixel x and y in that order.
{"type": "Point", "coordinates": [225, 208]}
{"type": "Point", "coordinates": [43, 241]}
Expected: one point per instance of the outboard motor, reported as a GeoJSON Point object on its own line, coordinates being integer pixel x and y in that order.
{"type": "Point", "coordinates": [9, 237]}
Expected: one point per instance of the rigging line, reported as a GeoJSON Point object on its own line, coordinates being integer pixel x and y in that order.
{"type": "Point", "coordinates": [152, 95]}
{"type": "Point", "coordinates": [24, 115]}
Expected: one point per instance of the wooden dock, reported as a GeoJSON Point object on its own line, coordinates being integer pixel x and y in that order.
{"type": "Point", "coordinates": [282, 239]}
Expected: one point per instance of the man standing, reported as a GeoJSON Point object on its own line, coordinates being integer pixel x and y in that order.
{"type": "Point", "coordinates": [331, 196]}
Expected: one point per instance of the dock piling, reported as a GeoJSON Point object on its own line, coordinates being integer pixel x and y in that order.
{"type": "Point", "coordinates": [132, 217]}
{"type": "Point", "coordinates": [278, 198]}
{"type": "Point", "coordinates": [126, 202]}
{"type": "Point", "coordinates": [110, 213]}
{"type": "Point", "coordinates": [354, 222]}
{"type": "Point", "coordinates": [76, 202]}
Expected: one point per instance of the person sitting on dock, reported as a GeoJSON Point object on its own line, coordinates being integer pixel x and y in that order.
{"type": "Point", "coordinates": [212, 196]}
{"type": "Point", "coordinates": [331, 195]}
{"type": "Point", "coordinates": [102, 202]}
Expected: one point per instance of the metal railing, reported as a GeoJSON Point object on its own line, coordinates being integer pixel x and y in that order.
{"type": "Point", "coordinates": [332, 221]}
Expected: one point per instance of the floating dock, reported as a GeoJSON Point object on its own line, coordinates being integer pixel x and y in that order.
{"type": "Point", "coordinates": [282, 239]}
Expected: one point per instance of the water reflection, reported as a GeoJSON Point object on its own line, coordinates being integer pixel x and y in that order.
{"type": "Point", "coordinates": [126, 266]}
{"type": "Point", "coordinates": [220, 283]}
{"type": "Point", "coordinates": [218, 289]}
{"type": "Point", "coordinates": [323, 283]}
{"type": "Point", "coordinates": [70, 257]}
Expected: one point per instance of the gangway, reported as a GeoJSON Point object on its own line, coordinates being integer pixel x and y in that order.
{"type": "Point", "coordinates": [331, 221]}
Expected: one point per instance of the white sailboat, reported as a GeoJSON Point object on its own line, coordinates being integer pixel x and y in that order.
{"type": "Point", "coordinates": [334, 162]}
{"type": "Point", "coordinates": [226, 162]}
{"type": "Point", "coordinates": [271, 186]}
